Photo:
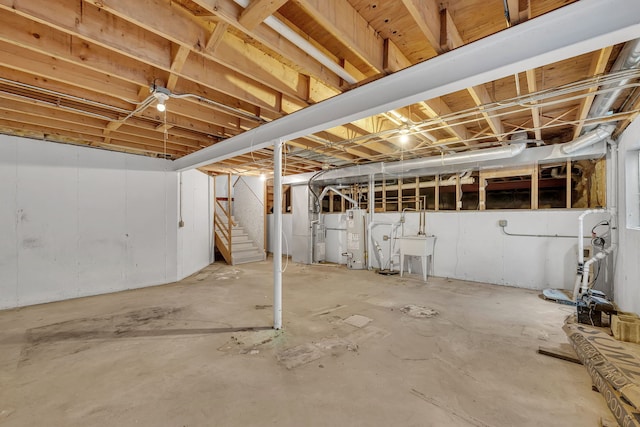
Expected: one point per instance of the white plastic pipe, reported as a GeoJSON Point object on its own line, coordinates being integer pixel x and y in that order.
{"type": "Point", "coordinates": [371, 226]}
{"type": "Point", "coordinates": [587, 267]}
{"type": "Point", "coordinates": [581, 231]}
{"type": "Point", "coordinates": [613, 205]}
{"type": "Point", "coordinates": [295, 38]}
{"type": "Point", "coordinates": [277, 249]}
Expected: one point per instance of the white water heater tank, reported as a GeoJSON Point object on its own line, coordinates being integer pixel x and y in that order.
{"type": "Point", "coordinates": [356, 239]}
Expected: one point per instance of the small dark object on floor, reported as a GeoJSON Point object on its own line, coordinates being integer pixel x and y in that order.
{"type": "Point", "coordinates": [562, 351]}
{"type": "Point", "coordinates": [386, 272]}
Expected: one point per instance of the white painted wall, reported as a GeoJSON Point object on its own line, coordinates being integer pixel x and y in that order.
{"type": "Point", "coordinates": [77, 221]}
{"type": "Point", "coordinates": [195, 239]}
{"type": "Point", "coordinates": [471, 245]}
{"type": "Point", "coordinates": [248, 207]}
{"type": "Point", "coordinates": [627, 267]}
{"type": "Point", "coordinates": [287, 238]}
{"type": "Point", "coordinates": [300, 225]}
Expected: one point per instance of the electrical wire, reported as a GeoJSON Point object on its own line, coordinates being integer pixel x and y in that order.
{"type": "Point", "coordinates": [315, 195]}
{"type": "Point", "coordinates": [286, 243]}
{"type": "Point", "coordinates": [595, 276]}
{"type": "Point", "coordinates": [599, 240]}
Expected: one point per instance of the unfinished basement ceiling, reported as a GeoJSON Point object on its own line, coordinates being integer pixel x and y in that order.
{"type": "Point", "coordinates": [82, 72]}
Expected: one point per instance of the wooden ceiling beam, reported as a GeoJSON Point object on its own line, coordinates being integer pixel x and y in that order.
{"type": "Point", "coordinates": [258, 11]}
{"type": "Point", "coordinates": [20, 105]}
{"type": "Point", "coordinates": [158, 135]}
{"type": "Point", "coordinates": [188, 123]}
{"type": "Point", "coordinates": [229, 12]}
{"type": "Point", "coordinates": [348, 132]}
{"type": "Point", "coordinates": [215, 38]}
{"type": "Point", "coordinates": [187, 32]}
{"type": "Point", "coordinates": [155, 49]}
{"type": "Point", "coordinates": [81, 19]}
{"type": "Point", "coordinates": [532, 86]}
{"type": "Point", "coordinates": [85, 54]}
{"type": "Point", "coordinates": [634, 110]}
{"type": "Point", "coordinates": [393, 59]}
{"type": "Point", "coordinates": [46, 110]}
{"type": "Point", "coordinates": [166, 19]}
{"type": "Point", "coordinates": [478, 93]}
{"type": "Point", "coordinates": [202, 112]}
{"type": "Point", "coordinates": [335, 142]}
{"type": "Point", "coordinates": [481, 97]}
{"type": "Point", "coordinates": [519, 11]}
{"type": "Point", "coordinates": [316, 147]}
{"type": "Point", "coordinates": [242, 57]}
{"type": "Point", "coordinates": [436, 108]}
{"type": "Point", "coordinates": [180, 54]}
{"type": "Point", "coordinates": [343, 21]}
{"type": "Point", "coordinates": [426, 14]}
{"type": "Point", "coordinates": [88, 136]}
{"type": "Point", "coordinates": [55, 135]}
{"type": "Point", "coordinates": [125, 133]}
{"type": "Point", "coordinates": [199, 111]}
{"type": "Point", "coordinates": [449, 35]}
{"type": "Point", "coordinates": [50, 68]}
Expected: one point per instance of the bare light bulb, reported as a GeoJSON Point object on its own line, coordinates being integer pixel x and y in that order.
{"type": "Point", "coordinates": [263, 177]}
{"type": "Point", "coordinates": [161, 107]}
{"type": "Point", "coordinates": [404, 138]}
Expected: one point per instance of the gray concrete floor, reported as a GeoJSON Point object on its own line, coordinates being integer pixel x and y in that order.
{"type": "Point", "coordinates": [176, 355]}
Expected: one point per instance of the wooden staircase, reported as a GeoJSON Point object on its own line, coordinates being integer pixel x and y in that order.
{"type": "Point", "coordinates": [242, 249]}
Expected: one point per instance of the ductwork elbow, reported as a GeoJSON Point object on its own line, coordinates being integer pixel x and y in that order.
{"type": "Point", "coordinates": [600, 133]}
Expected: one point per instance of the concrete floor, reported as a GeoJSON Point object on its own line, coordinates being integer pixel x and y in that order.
{"type": "Point", "coordinates": [174, 355]}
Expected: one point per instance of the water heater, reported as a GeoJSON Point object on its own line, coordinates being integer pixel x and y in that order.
{"type": "Point", "coordinates": [318, 236]}
{"type": "Point", "coordinates": [356, 239]}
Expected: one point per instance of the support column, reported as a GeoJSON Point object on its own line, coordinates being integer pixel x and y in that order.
{"type": "Point", "coordinates": [372, 208]}
{"type": "Point", "coordinates": [277, 243]}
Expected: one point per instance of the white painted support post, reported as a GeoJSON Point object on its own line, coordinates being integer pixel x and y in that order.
{"type": "Point", "coordinates": [277, 220]}
{"type": "Point", "coordinates": [372, 206]}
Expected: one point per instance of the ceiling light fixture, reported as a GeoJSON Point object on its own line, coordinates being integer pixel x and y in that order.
{"type": "Point", "coordinates": [162, 98]}
{"type": "Point", "coordinates": [404, 135]}
{"type": "Point", "coordinates": [161, 94]}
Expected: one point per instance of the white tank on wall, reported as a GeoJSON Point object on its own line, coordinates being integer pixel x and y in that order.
{"type": "Point", "coordinates": [356, 239]}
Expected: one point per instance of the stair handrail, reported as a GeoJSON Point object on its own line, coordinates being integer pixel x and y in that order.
{"type": "Point", "coordinates": [225, 231]}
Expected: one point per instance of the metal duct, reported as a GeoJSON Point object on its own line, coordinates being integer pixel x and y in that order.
{"type": "Point", "coordinates": [455, 159]}
{"type": "Point", "coordinates": [400, 167]}
{"type": "Point", "coordinates": [600, 133]}
{"type": "Point", "coordinates": [628, 58]}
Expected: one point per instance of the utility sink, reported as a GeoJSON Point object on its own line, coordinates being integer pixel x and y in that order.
{"type": "Point", "coordinates": [421, 246]}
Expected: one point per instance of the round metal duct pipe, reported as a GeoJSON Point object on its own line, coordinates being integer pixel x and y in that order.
{"type": "Point", "coordinates": [456, 159]}
{"type": "Point", "coordinates": [600, 133]}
